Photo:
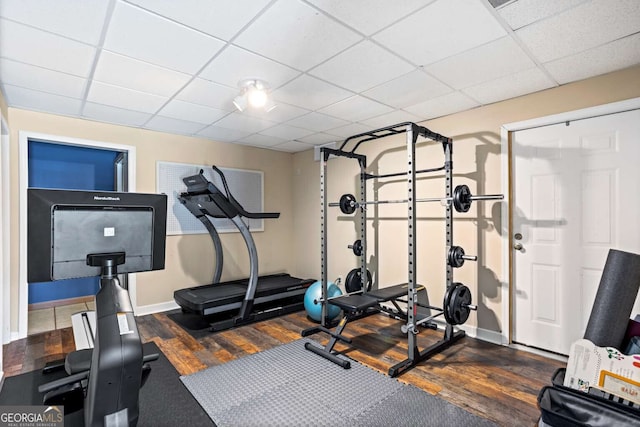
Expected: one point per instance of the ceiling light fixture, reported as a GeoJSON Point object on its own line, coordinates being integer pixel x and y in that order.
{"type": "Point", "coordinates": [254, 94]}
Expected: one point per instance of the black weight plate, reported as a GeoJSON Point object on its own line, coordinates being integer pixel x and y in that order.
{"type": "Point", "coordinates": [347, 204]}
{"type": "Point", "coordinates": [447, 303]}
{"type": "Point", "coordinates": [454, 257]}
{"type": "Point", "coordinates": [357, 247]}
{"type": "Point", "coordinates": [353, 282]}
{"type": "Point", "coordinates": [460, 300]}
{"type": "Point", "coordinates": [461, 198]}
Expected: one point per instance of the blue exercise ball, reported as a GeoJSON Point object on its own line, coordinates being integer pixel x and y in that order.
{"type": "Point", "coordinates": [314, 307]}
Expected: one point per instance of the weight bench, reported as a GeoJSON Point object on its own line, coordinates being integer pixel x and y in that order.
{"type": "Point", "coordinates": [356, 306]}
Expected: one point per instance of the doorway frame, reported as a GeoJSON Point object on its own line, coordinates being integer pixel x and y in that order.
{"type": "Point", "coordinates": [5, 236]}
{"type": "Point", "coordinates": [508, 179]}
{"type": "Point", "coordinates": [23, 162]}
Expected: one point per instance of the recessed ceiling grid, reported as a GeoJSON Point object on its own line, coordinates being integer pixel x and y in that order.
{"type": "Point", "coordinates": [335, 67]}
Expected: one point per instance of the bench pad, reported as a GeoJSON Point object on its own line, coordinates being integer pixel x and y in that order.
{"type": "Point", "coordinates": [354, 302]}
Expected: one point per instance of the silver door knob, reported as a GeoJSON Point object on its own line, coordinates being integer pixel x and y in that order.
{"type": "Point", "coordinates": [517, 246]}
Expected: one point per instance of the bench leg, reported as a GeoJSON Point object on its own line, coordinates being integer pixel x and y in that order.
{"type": "Point", "coordinates": [327, 352]}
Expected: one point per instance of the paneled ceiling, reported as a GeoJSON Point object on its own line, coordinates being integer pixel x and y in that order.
{"type": "Point", "coordinates": [336, 67]}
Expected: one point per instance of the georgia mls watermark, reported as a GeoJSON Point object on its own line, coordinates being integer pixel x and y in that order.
{"type": "Point", "coordinates": [31, 416]}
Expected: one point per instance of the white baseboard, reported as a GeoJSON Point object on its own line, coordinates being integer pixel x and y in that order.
{"type": "Point", "coordinates": [474, 332]}
{"type": "Point", "coordinates": [482, 334]}
{"type": "Point", "coordinates": [10, 337]}
{"type": "Point", "coordinates": [156, 308]}
{"type": "Point", "coordinates": [539, 352]}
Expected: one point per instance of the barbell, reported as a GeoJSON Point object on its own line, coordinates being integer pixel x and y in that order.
{"type": "Point", "coordinates": [462, 199]}
{"type": "Point", "coordinates": [352, 285]}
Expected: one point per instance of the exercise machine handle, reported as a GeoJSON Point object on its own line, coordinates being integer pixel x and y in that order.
{"type": "Point", "coordinates": [237, 205]}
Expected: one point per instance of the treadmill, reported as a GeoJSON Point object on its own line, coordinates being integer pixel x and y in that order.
{"type": "Point", "coordinates": [236, 302]}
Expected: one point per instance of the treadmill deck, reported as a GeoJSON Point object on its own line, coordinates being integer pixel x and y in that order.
{"type": "Point", "coordinates": [213, 298]}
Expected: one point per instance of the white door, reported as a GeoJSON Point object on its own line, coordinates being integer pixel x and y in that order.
{"type": "Point", "coordinates": [576, 196]}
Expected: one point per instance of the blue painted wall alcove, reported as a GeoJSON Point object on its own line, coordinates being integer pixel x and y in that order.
{"type": "Point", "coordinates": [68, 167]}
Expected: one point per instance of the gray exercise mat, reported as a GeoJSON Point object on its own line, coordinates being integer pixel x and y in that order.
{"type": "Point", "coordinates": [290, 386]}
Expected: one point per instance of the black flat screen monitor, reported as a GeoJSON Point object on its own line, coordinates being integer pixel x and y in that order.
{"type": "Point", "coordinates": [64, 226]}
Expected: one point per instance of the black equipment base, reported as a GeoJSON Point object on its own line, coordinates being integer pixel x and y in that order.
{"type": "Point", "coordinates": [227, 296]}
{"type": "Point", "coordinates": [217, 306]}
{"type": "Point", "coordinates": [259, 312]}
{"type": "Point", "coordinates": [449, 339]}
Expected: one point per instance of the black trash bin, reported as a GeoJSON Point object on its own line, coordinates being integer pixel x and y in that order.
{"type": "Point", "coordinates": [565, 407]}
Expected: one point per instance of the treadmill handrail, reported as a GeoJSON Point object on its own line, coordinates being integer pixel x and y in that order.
{"type": "Point", "coordinates": [229, 207]}
{"type": "Point", "coordinates": [237, 206]}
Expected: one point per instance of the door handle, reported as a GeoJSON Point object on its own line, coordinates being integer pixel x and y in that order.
{"type": "Point", "coordinates": [518, 246]}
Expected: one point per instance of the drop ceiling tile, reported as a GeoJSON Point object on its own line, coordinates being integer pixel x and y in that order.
{"type": "Point", "coordinates": [140, 34]}
{"type": "Point", "coordinates": [319, 138]}
{"type": "Point", "coordinates": [317, 122]}
{"type": "Point", "coordinates": [116, 96]}
{"type": "Point", "coordinates": [168, 124]}
{"type": "Point", "coordinates": [524, 12]}
{"type": "Point", "coordinates": [310, 93]}
{"type": "Point", "coordinates": [356, 108]}
{"type": "Point", "coordinates": [362, 67]}
{"type": "Point", "coordinates": [442, 106]}
{"type": "Point", "coordinates": [490, 61]}
{"type": "Point", "coordinates": [130, 73]}
{"type": "Point", "coordinates": [292, 147]}
{"type": "Point", "coordinates": [612, 56]}
{"type": "Point", "coordinates": [351, 129]}
{"type": "Point", "coordinates": [260, 140]}
{"type": "Point", "coordinates": [36, 47]}
{"type": "Point", "coordinates": [219, 18]}
{"type": "Point", "coordinates": [204, 92]}
{"type": "Point", "coordinates": [287, 132]}
{"type": "Point", "coordinates": [442, 29]}
{"type": "Point", "coordinates": [28, 99]}
{"type": "Point", "coordinates": [408, 89]}
{"type": "Point", "coordinates": [41, 79]}
{"type": "Point", "coordinates": [235, 64]}
{"type": "Point", "coordinates": [369, 16]}
{"type": "Point", "coordinates": [106, 113]}
{"type": "Point", "coordinates": [390, 119]}
{"type": "Point", "coordinates": [79, 20]}
{"type": "Point", "coordinates": [511, 86]}
{"type": "Point", "coordinates": [296, 34]}
{"type": "Point", "coordinates": [221, 134]}
{"type": "Point", "coordinates": [182, 110]}
{"type": "Point", "coordinates": [281, 113]}
{"type": "Point", "coordinates": [244, 123]}
{"type": "Point", "coordinates": [583, 27]}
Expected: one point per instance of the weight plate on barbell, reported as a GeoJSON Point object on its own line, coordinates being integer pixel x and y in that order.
{"type": "Point", "coordinates": [353, 282]}
{"type": "Point", "coordinates": [347, 204]}
{"type": "Point", "coordinates": [462, 198]}
{"type": "Point", "coordinates": [454, 257]}
{"type": "Point", "coordinates": [357, 247]}
{"type": "Point", "coordinates": [447, 302]}
{"type": "Point", "coordinates": [457, 300]}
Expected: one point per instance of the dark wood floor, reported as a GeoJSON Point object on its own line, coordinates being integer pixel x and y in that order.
{"type": "Point", "coordinates": [494, 382]}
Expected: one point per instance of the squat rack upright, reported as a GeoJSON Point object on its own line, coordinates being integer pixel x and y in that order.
{"type": "Point", "coordinates": [413, 131]}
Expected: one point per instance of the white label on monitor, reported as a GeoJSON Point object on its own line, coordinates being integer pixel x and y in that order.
{"type": "Point", "coordinates": [123, 324]}
{"type": "Point", "coordinates": [109, 231]}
